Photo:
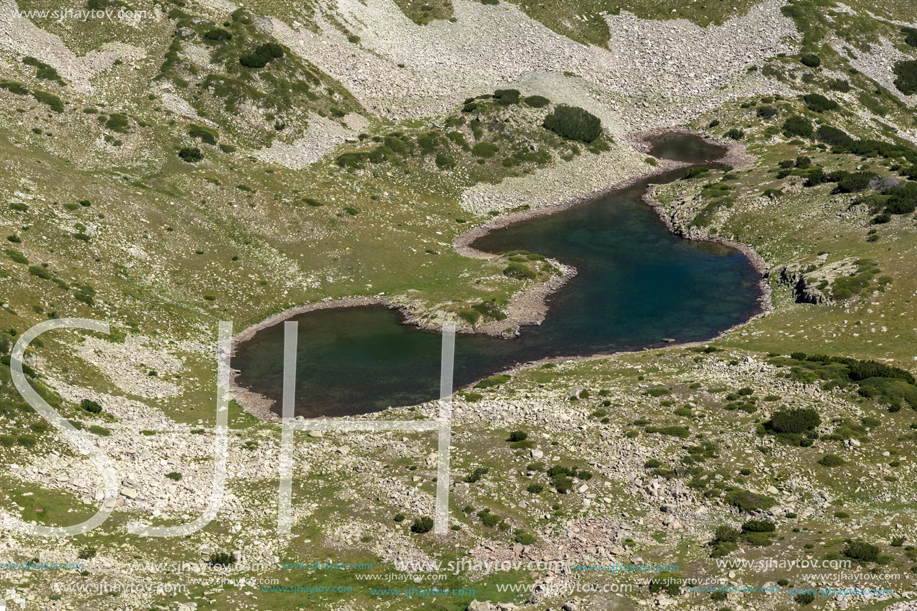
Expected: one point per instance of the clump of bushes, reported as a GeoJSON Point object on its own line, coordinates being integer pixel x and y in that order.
{"type": "Point", "coordinates": [476, 475]}
{"type": "Point", "coordinates": [506, 97]}
{"type": "Point", "coordinates": [735, 134]}
{"type": "Point", "coordinates": [725, 539]}
{"type": "Point", "coordinates": [906, 73]}
{"type": "Point", "coordinates": [489, 519]}
{"type": "Point", "coordinates": [91, 406]}
{"type": "Point", "coordinates": [816, 102]}
{"type": "Point", "coordinates": [862, 551]}
{"type": "Point", "coordinates": [797, 126]}
{"type": "Point", "coordinates": [832, 136]}
{"type": "Point", "coordinates": [574, 123]}
{"type": "Point", "coordinates": [216, 35]}
{"type": "Point", "coordinates": [262, 56]}
{"type": "Point", "coordinates": [190, 154]}
{"type": "Point", "coordinates": [222, 559]}
{"type": "Point", "coordinates": [536, 101]}
{"type": "Point", "coordinates": [832, 460]}
{"type": "Point", "coordinates": [811, 60]}
{"type": "Point", "coordinates": [747, 501]}
{"type": "Point", "coordinates": [422, 525]}
{"type": "Point", "coordinates": [799, 420]}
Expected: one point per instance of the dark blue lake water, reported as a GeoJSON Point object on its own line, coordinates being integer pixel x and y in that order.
{"type": "Point", "coordinates": [637, 284]}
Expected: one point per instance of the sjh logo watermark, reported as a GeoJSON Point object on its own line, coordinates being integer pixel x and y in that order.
{"type": "Point", "coordinates": [83, 443]}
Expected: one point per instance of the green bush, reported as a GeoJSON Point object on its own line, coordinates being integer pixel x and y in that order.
{"type": "Point", "coordinates": [422, 525]}
{"type": "Point", "coordinates": [535, 488]}
{"type": "Point", "coordinates": [657, 392]}
{"type": "Point", "coordinates": [854, 182]}
{"type": "Point", "coordinates": [49, 99]}
{"type": "Point", "coordinates": [759, 526]}
{"type": "Point", "coordinates": [832, 460]}
{"type": "Point", "coordinates": [524, 538]}
{"type": "Point", "coordinates": [906, 73]}
{"type": "Point", "coordinates": [222, 559]}
{"type": "Point", "coordinates": [806, 598]}
{"type": "Point", "coordinates": [475, 476]}
{"type": "Point", "coordinates": [536, 101]}
{"type": "Point", "coordinates": [7, 441]}
{"type": "Point", "coordinates": [506, 97]}
{"type": "Point", "coordinates": [726, 534]}
{"type": "Point", "coordinates": [819, 103]}
{"type": "Point", "coordinates": [735, 134]}
{"type": "Point", "coordinates": [16, 256]}
{"type": "Point", "coordinates": [216, 35]}
{"type": "Point", "coordinates": [518, 436]}
{"type": "Point", "coordinates": [910, 36]}
{"type": "Point", "coordinates": [484, 150]}
{"type": "Point", "coordinates": [767, 112]}
{"type": "Point", "coordinates": [833, 136]}
{"type": "Point", "coordinates": [860, 550]}
{"type": "Point", "coordinates": [747, 501]}
{"type": "Point", "coordinates": [573, 123]}
{"type": "Point", "coordinates": [810, 60]}
{"type": "Point", "coordinates": [14, 88]}
{"type": "Point", "coordinates": [118, 123]}
{"type": "Point", "coordinates": [262, 56]}
{"type": "Point", "coordinates": [190, 154]}
{"type": "Point", "coordinates": [399, 517]}
{"type": "Point", "coordinates": [91, 406]}
{"type": "Point", "coordinates": [797, 126]}
{"type": "Point", "coordinates": [37, 270]}
{"type": "Point", "coordinates": [99, 430]}
{"type": "Point", "coordinates": [794, 421]}
{"type": "Point", "coordinates": [489, 519]}
{"type": "Point", "coordinates": [444, 161]}
{"type": "Point", "coordinates": [174, 475]}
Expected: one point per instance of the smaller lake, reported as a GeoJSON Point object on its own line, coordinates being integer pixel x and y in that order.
{"type": "Point", "coordinates": [637, 283]}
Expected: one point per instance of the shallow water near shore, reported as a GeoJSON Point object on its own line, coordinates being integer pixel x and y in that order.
{"type": "Point", "coordinates": [637, 283]}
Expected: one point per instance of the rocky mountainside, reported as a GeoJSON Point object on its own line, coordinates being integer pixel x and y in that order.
{"type": "Point", "coordinates": [166, 165]}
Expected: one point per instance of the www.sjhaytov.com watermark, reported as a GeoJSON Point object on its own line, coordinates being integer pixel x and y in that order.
{"type": "Point", "coordinates": [83, 14]}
